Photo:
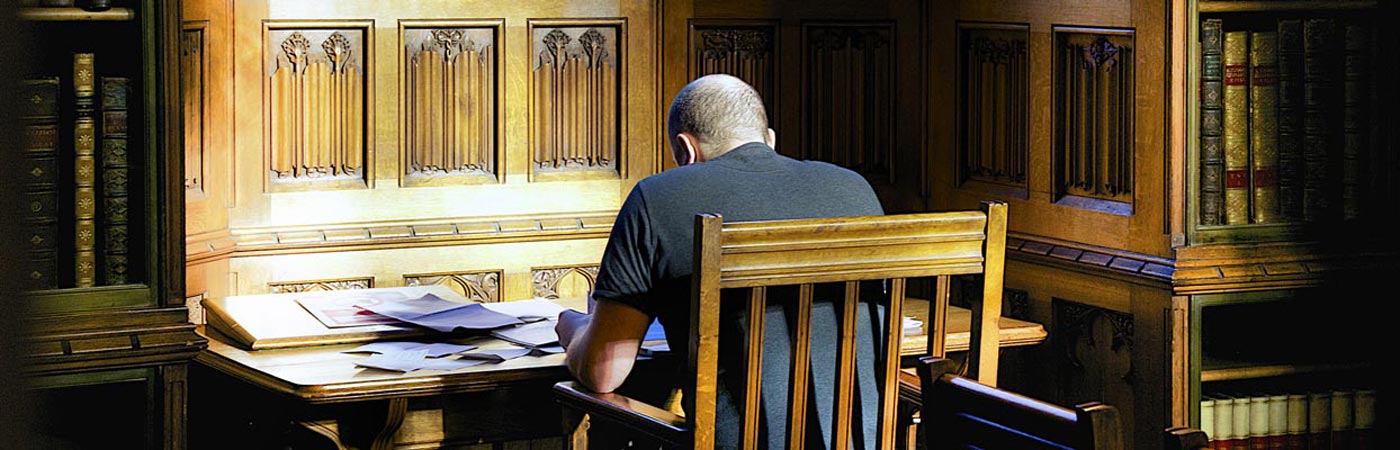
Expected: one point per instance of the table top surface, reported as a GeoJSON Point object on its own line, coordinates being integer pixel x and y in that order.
{"type": "Point", "coordinates": [322, 374]}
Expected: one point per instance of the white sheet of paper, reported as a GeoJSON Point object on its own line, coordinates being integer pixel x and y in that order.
{"type": "Point", "coordinates": [538, 334]}
{"type": "Point", "coordinates": [504, 354]}
{"type": "Point", "coordinates": [523, 309]}
{"type": "Point", "coordinates": [406, 361]}
{"type": "Point", "coordinates": [441, 349]}
{"type": "Point", "coordinates": [385, 347]}
{"type": "Point", "coordinates": [450, 363]}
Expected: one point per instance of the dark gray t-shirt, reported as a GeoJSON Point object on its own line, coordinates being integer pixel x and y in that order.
{"type": "Point", "coordinates": [647, 265]}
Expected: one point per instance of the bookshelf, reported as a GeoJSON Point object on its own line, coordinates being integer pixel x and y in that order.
{"type": "Point", "coordinates": [110, 337]}
{"type": "Point", "coordinates": [1278, 306]}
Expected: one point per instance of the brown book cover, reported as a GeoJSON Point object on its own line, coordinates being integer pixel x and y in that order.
{"type": "Point", "coordinates": [1290, 119]}
{"type": "Point", "coordinates": [1212, 123]}
{"type": "Point", "coordinates": [1355, 132]}
{"type": "Point", "coordinates": [115, 181]}
{"type": "Point", "coordinates": [84, 171]}
{"type": "Point", "coordinates": [1236, 132]}
{"type": "Point", "coordinates": [1321, 73]}
{"type": "Point", "coordinates": [1319, 420]}
{"type": "Point", "coordinates": [40, 169]}
{"type": "Point", "coordinates": [1263, 125]}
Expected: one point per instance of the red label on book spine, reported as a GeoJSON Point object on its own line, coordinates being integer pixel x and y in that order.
{"type": "Point", "coordinates": [1236, 179]}
{"type": "Point", "coordinates": [1236, 75]}
{"type": "Point", "coordinates": [1264, 177]}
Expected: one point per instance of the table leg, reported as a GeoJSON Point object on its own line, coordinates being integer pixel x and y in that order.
{"type": "Point", "coordinates": [322, 429]}
{"type": "Point", "coordinates": [398, 408]}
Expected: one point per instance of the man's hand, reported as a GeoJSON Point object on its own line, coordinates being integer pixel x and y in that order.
{"type": "Point", "coordinates": [602, 346]}
{"type": "Point", "coordinates": [569, 324]}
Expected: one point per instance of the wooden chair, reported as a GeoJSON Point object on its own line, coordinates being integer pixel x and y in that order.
{"type": "Point", "coordinates": [1185, 438]}
{"type": "Point", "coordinates": [960, 413]}
{"type": "Point", "coordinates": [758, 255]}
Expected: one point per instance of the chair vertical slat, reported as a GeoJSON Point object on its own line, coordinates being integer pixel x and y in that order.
{"type": "Point", "coordinates": [937, 320]}
{"type": "Point", "coordinates": [846, 368]}
{"type": "Point", "coordinates": [889, 387]}
{"type": "Point", "coordinates": [801, 368]}
{"type": "Point", "coordinates": [704, 326]}
{"type": "Point", "coordinates": [753, 367]}
{"type": "Point", "coordinates": [982, 359]}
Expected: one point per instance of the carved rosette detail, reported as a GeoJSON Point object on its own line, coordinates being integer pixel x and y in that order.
{"type": "Point", "coordinates": [546, 281]}
{"type": "Point", "coordinates": [594, 43]}
{"type": "Point", "coordinates": [337, 48]}
{"type": "Point", "coordinates": [1099, 54]}
{"type": "Point", "coordinates": [554, 44]}
{"type": "Point", "coordinates": [296, 47]}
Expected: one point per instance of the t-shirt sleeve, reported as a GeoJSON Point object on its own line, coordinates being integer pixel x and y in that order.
{"type": "Point", "coordinates": [625, 273]}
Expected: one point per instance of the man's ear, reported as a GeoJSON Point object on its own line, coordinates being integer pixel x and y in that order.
{"type": "Point", "coordinates": [691, 148]}
{"type": "Point", "coordinates": [772, 138]}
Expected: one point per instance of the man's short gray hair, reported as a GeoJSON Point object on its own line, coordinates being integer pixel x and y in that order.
{"type": "Point", "coordinates": [720, 111]}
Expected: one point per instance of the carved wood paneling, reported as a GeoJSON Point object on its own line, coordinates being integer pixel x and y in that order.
{"type": "Point", "coordinates": [451, 103]}
{"type": "Point", "coordinates": [315, 101]}
{"type": "Point", "coordinates": [193, 70]}
{"type": "Point", "coordinates": [1015, 303]}
{"type": "Point", "coordinates": [476, 286]}
{"type": "Point", "coordinates": [744, 49]}
{"type": "Point", "coordinates": [994, 110]}
{"type": "Point", "coordinates": [1094, 113]}
{"type": "Point", "coordinates": [848, 85]}
{"type": "Point", "coordinates": [341, 284]}
{"type": "Point", "coordinates": [556, 282]}
{"type": "Point", "coordinates": [577, 102]}
{"type": "Point", "coordinates": [1088, 366]}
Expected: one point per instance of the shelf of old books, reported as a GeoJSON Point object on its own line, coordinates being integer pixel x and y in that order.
{"type": "Point", "coordinates": [1267, 356]}
{"type": "Point", "coordinates": [87, 186]}
{"type": "Point", "coordinates": [1286, 117]}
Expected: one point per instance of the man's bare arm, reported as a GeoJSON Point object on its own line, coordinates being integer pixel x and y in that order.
{"type": "Point", "coordinates": [601, 347]}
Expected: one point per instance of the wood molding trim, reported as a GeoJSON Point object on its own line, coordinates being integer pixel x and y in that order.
{"type": "Point", "coordinates": [101, 340]}
{"type": "Point", "coordinates": [1128, 266]}
{"type": "Point", "coordinates": [1253, 267]}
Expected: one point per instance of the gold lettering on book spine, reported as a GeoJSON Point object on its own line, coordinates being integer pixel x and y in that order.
{"type": "Point", "coordinates": [1236, 135]}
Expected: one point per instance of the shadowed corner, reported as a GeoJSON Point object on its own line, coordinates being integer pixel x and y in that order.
{"type": "Point", "coordinates": [14, 420]}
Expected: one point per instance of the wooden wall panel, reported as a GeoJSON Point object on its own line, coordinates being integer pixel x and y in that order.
{"type": "Point", "coordinates": [340, 284]}
{"type": "Point", "coordinates": [993, 104]}
{"type": "Point", "coordinates": [475, 286]}
{"type": "Point", "coordinates": [746, 49]}
{"type": "Point", "coordinates": [193, 73]}
{"type": "Point", "coordinates": [1093, 111]}
{"type": "Point", "coordinates": [315, 96]}
{"type": "Point", "coordinates": [569, 281]}
{"type": "Point", "coordinates": [848, 86]}
{"type": "Point", "coordinates": [576, 78]}
{"type": "Point", "coordinates": [451, 102]}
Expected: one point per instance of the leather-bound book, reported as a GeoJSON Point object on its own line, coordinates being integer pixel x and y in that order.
{"type": "Point", "coordinates": [1364, 405]}
{"type": "Point", "coordinates": [1342, 419]}
{"type": "Point", "coordinates": [1321, 83]}
{"type": "Point", "coordinates": [1224, 424]}
{"type": "Point", "coordinates": [1355, 124]}
{"type": "Point", "coordinates": [1263, 125]}
{"type": "Point", "coordinates": [1319, 420]}
{"type": "Point", "coordinates": [1208, 419]}
{"type": "Point", "coordinates": [116, 93]}
{"type": "Point", "coordinates": [85, 170]}
{"type": "Point", "coordinates": [1278, 422]}
{"type": "Point", "coordinates": [1212, 124]}
{"type": "Point", "coordinates": [1236, 133]}
{"type": "Point", "coordinates": [40, 168]}
{"type": "Point", "coordinates": [1290, 119]}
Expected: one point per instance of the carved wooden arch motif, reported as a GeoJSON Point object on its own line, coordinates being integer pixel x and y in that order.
{"type": "Point", "coordinates": [316, 105]}
{"type": "Point", "coordinates": [557, 282]}
{"type": "Point", "coordinates": [482, 287]}
{"type": "Point", "coordinates": [578, 86]}
{"type": "Point", "coordinates": [450, 107]}
{"type": "Point", "coordinates": [993, 103]}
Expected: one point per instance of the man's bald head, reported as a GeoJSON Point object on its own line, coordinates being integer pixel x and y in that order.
{"type": "Point", "coordinates": [719, 112]}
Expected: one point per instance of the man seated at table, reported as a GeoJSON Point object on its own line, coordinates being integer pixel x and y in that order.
{"type": "Point", "coordinates": [721, 141]}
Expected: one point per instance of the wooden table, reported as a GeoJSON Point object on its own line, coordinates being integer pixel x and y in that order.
{"type": "Point", "coordinates": [317, 385]}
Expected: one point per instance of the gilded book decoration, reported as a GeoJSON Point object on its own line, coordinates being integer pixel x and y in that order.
{"type": "Point", "coordinates": [450, 109]}
{"type": "Point", "coordinates": [848, 78]}
{"type": "Point", "coordinates": [316, 106]}
{"type": "Point", "coordinates": [1093, 115]}
{"type": "Point", "coordinates": [482, 287]}
{"type": "Point", "coordinates": [192, 73]}
{"type": "Point", "coordinates": [577, 105]}
{"type": "Point", "coordinates": [559, 282]}
{"type": "Point", "coordinates": [993, 88]}
{"type": "Point", "coordinates": [747, 50]}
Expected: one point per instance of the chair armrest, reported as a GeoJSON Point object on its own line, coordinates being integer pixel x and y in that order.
{"type": "Point", "coordinates": [910, 388]}
{"type": "Point", "coordinates": [625, 411]}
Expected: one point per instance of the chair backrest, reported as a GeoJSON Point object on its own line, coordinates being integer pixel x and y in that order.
{"type": "Point", "coordinates": [960, 413]}
{"type": "Point", "coordinates": [1185, 438]}
{"type": "Point", "coordinates": [760, 255]}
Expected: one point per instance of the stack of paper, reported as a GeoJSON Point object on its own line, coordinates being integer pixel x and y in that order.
{"type": "Point", "coordinates": [433, 312]}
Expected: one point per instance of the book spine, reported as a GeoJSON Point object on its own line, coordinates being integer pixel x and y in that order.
{"type": "Point", "coordinates": [1263, 125]}
{"type": "Point", "coordinates": [1278, 422]}
{"type": "Point", "coordinates": [1319, 420]}
{"type": "Point", "coordinates": [1364, 413]}
{"type": "Point", "coordinates": [40, 168]}
{"type": "Point", "coordinates": [116, 94]}
{"type": "Point", "coordinates": [1224, 424]}
{"type": "Point", "coordinates": [84, 171]}
{"type": "Point", "coordinates": [1319, 90]}
{"type": "Point", "coordinates": [1241, 425]}
{"type": "Point", "coordinates": [1290, 119]}
{"type": "Point", "coordinates": [1342, 419]}
{"type": "Point", "coordinates": [1208, 419]}
{"type": "Point", "coordinates": [1354, 116]}
{"type": "Point", "coordinates": [1212, 124]}
{"type": "Point", "coordinates": [1259, 423]}
{"type": "Point", "coordinates": [1297, 423]}
{"type": "Point", "coordinates": [1236, 132]}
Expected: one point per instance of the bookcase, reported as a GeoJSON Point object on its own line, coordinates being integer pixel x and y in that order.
{"type": "Point", "coordinates": [1290, 184]}
{"type": "Point", "coordinates": [108, 335]}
